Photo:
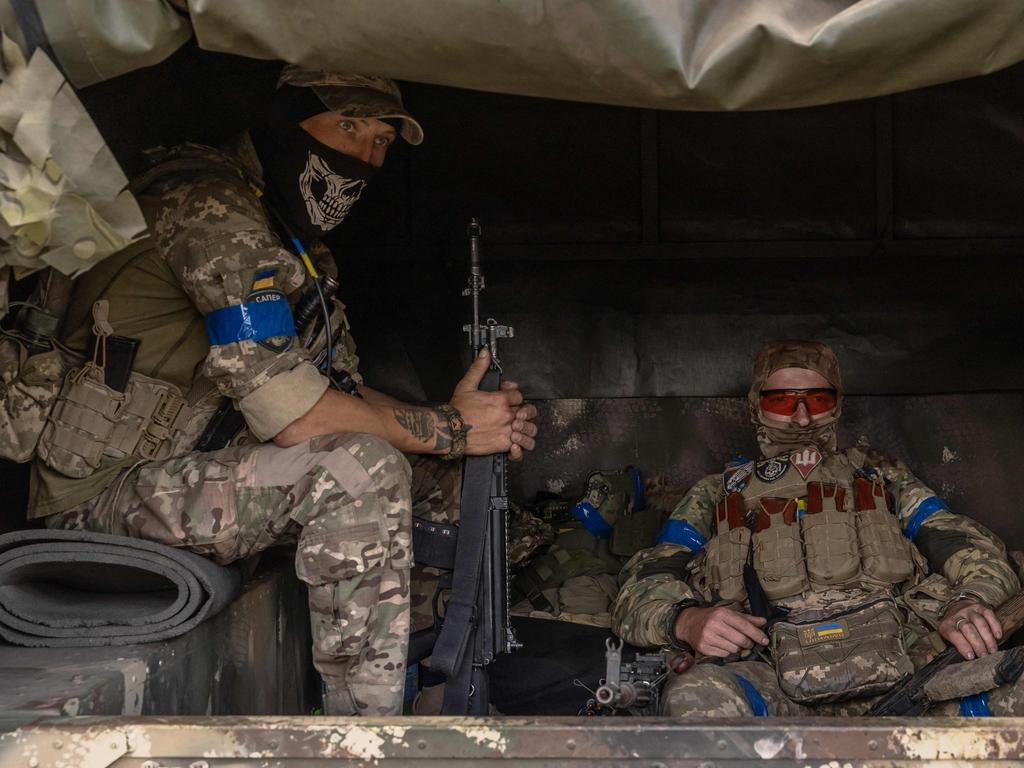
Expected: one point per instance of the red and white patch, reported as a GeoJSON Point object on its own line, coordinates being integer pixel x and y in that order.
{"type": "Point", "coordinates": [805, 460]}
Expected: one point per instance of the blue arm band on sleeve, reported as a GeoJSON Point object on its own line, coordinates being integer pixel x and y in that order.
{"type": "Point", "coordinates": [754, 697]}
{"type": "Point", "coordinates": [924, 510]}
{"type": "Point", "coordinates": [255, 320]}
{"type": "Point", "coordinates": [587, 513]}
{"type": "Point", "coordinates": [681, 532]}
{"type": "Point", "coordinates": [975, 706]}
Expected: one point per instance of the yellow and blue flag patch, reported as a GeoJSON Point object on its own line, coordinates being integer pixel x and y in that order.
{"type": "Point", "coordinates": [822, 633]}
{"type": "Point", "coordinates": [264, 279]}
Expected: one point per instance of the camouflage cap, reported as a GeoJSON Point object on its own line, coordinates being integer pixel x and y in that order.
{"type": "Point", "coordinates": [355, 96]}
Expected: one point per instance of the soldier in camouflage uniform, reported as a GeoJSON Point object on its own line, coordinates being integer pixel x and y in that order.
{"type": "Point", "coordinates": [209, 296]}
{"type": "Point", "coordinates": [849, 558]}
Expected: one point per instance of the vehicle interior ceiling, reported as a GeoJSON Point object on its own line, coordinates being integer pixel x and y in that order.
{"type": "Point", "coordinates": [643, 256]}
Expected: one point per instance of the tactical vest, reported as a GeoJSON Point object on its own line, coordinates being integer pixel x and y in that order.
{"type": "Point", "coordinates": [807, 523]}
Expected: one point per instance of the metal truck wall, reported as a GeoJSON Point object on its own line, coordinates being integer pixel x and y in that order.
{"type": "Point", "coordinates": [643, 254]}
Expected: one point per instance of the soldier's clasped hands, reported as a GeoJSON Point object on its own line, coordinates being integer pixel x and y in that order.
{"type": "Point", "coordinates": [498, 422]}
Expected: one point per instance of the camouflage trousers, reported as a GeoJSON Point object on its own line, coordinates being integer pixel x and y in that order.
{"type": "Point", "coordinates": [724, 690]}
{"type": "Point", "coordinates": [344, 499]}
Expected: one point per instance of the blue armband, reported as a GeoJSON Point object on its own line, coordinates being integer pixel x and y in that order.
{"type": "Point", "coordinates": [265, 315]}
{"type": "Point", "coordinates": [975, 706]}
{"type": "Point", "coordinates": [924, 510]}
{"type": "Point", "coordinates": [754, 697]}
{"type": "Point", "coordinates": [682, 533]}
{"type": "Point", "coordinates": [587, 514]}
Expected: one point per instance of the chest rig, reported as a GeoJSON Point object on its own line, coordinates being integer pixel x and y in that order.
{"type": "Point", "coordinates": [807, 523]}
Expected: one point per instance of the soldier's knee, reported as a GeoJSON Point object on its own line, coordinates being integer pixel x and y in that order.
{"type": "Point", "coordinates": [382, 463]}
{"type": "Point", "coordinates": [368, 483]}
{"type": "Point", "coordinates": [359, 464]}
{"type": "Point", "coordinates": [704, 691]}
{"type": "Point", "coordinates": [356, 514]}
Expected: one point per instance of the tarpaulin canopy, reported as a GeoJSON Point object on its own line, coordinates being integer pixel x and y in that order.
{"type": "Point", "coordinates": [665, 54]}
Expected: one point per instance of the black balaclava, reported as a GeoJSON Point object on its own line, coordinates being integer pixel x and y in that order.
{"type": "Point", "coordinates": [308, 184]}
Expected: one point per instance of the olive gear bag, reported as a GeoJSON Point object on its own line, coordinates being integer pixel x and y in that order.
{"type": "Point", "coordinates": [851, 654]}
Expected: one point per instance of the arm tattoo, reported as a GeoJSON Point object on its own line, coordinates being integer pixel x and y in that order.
{"type": "Point", "coordinates": [419, 424]}
{"type": "Point", "coordinates": [443, 437]}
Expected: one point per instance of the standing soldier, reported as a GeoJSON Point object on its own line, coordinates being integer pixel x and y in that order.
{"type": "Point", "coordinates": [833, 548]}
{"type": "Point", "coordinates": [206, 312]}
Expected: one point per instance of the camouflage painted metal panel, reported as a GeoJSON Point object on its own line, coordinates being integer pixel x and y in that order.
{"type": "Point", "coordinates": [208, 742]}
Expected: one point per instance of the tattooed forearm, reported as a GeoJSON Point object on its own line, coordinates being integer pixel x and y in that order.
{"type": "Point", "coordinates": [442, 437]}
{"type": "Point", "coordinates": [450, 432]}
{"type": "Point", "coordinates": [419, 424]}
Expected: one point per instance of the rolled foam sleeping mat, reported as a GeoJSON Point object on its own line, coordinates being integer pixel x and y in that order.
{"type": "Point", "coordinates": [76, 588]}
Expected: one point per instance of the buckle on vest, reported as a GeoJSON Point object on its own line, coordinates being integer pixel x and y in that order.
{"type": "Point", "coordinates": [161, 424]}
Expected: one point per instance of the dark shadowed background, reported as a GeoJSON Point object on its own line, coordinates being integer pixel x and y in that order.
{"type": "Point", "coordinates": [643, 257]}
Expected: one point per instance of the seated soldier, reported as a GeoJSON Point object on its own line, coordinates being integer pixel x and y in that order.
{"type": "Point", "coordinates": [832, 547]}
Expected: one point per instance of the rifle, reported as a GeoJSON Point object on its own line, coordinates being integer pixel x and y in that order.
{"type": "Point", "coordinates": [909, 696]}
{"type": "Point", "coordinates": [634, 687]}
{"type": "Point", "coordinates": [477, 627]}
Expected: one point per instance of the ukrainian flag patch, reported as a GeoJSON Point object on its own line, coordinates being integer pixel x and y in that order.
{"type": "Point", "coordinates": [822, 633]}
{"type": "Point", "coordinates": [264, 279]}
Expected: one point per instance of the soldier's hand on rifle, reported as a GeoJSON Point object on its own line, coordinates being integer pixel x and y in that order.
{"type": "Point", "coordinates": [498, 422]}
{"type": "Point", "coordinates": [523, 428]}
{"type": "Point", "coordinates": [971, 628]}
{"type": "Point", "coordinates": [719, 631]}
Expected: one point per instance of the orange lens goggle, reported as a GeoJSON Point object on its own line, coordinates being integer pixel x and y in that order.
{"type": "Point", "coordinates": [783, 402]}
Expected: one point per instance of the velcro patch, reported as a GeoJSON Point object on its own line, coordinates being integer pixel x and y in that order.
{"type": "Point", "coordinates": [264, 279]}
{"type": "Point", "coordinates": [805, 460]}
{"type": "Point", "coordinates": [823, 633]}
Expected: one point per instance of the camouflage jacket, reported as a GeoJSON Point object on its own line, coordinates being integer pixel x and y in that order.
{"type": "Point", "coordinates": [27, 391]}
{"type": "Point", "coordinates": [214, 234]}
{"type": "Point", "coordinates": [657, 579]}
{"type": "Point", "coordinates": [211, 250]}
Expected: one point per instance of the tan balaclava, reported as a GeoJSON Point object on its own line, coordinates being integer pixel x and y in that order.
{"type": "Point", "coordinates": [777, 437]}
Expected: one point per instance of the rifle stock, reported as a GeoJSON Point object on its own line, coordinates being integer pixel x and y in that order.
{"type": "Point", "coordinates": [908, 698]}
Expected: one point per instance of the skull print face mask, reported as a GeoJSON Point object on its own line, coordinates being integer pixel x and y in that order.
{"type": "Point", "coordinates": [328, 195]}
{"type": "Point", "coordinates": [310, 185]}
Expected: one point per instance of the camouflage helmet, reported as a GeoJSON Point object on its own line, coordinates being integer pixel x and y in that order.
{"type": "Point", "coordinates": [355, 96]}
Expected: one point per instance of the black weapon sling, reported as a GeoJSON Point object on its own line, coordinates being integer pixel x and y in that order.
{"type": "Point", "coordinates": [455, 652]}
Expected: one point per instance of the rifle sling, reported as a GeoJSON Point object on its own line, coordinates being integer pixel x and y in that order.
{"type": "Point", "coordinates": [460, 619]}
{"type": "Point", "coordinates": [462, 612]}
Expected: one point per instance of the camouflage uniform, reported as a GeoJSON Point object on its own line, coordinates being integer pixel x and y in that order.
{"type": "Point", "coordinates": [345, 499]}
{"type": "Point", "coordinates": [27, 392]}
{"type": "Point", "coordinates": [684, 567]}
